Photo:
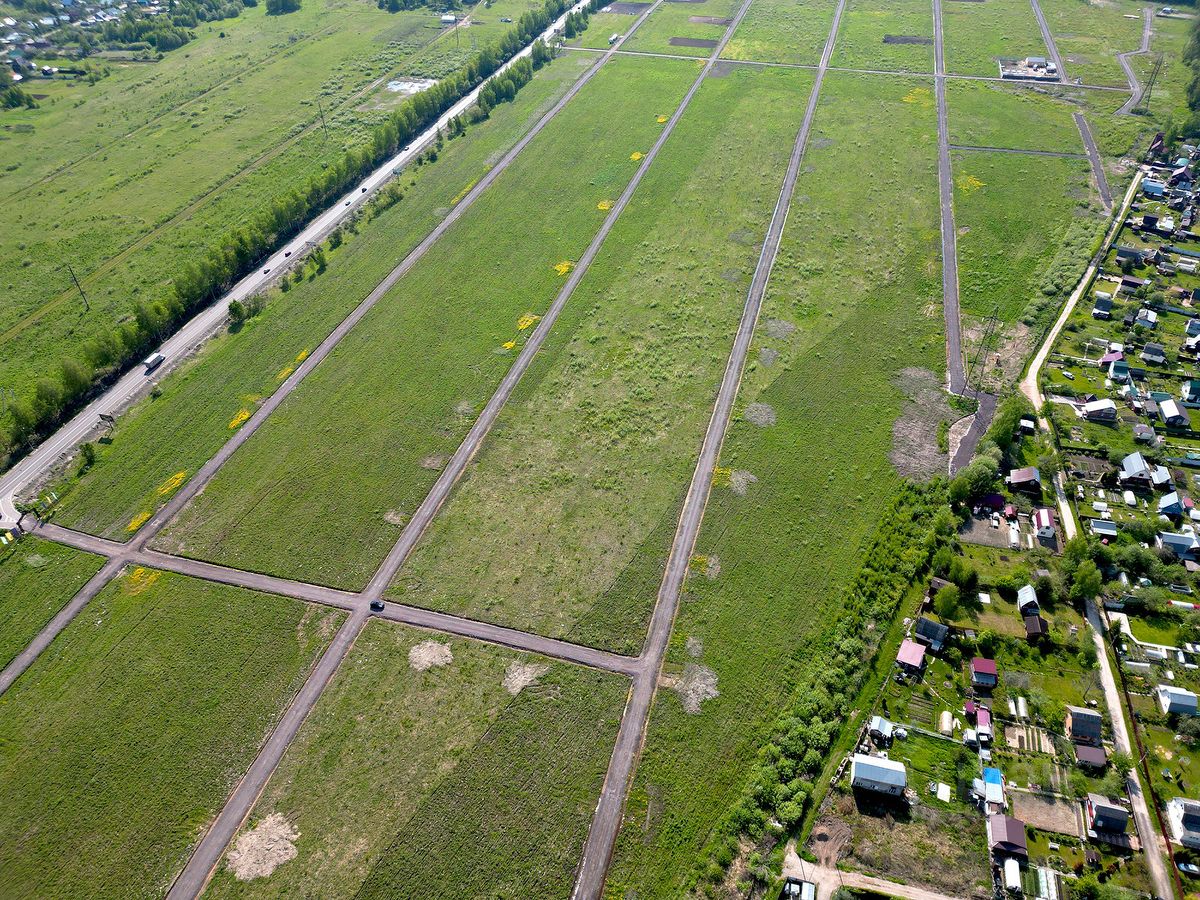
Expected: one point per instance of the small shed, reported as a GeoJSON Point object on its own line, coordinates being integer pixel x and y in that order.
{"type": "Point", "coordinates": [1027, 601]}
{"type": "Point", "coordinates": [1036, 628]}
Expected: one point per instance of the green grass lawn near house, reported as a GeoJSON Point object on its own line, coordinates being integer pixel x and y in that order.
{"type": "Point", "coordinates": [783, 31]}
{"type": "Point", "coordinates": [120, 744]}
{"type": "Point", "coordinates": [138, 467]}
{"type": "Point", "coordinates": [581, 480]}
{"type": "Point", "coordinates": [516, 777]}
{"type": "Point", "coordinates": [1025, 224]}
{"type": "Point", "coordinates": [37, 579]}
{"type": "Point", "coordinates": [788, 547]}
{"type": "Point", "coordinates": [978, 34]}
{"type": "Point", "coordinates": [322, 490]}
{"type": "Point", "coordinates": [860, 41]}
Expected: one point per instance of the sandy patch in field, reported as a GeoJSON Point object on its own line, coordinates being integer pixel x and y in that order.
{"type": "Point", "coordinates": [699, 683]}
{"type": "Point", "coordinates": [36, 561]}
{"type": "Point", "coordinates": [740, 481]}
{"type": "Point", "coordinates": [521, 675]}
{"type": "Point", "coordinates": [694, 646]}
{"type": "Point", "coordinates": [392, 517]}
{"type": "Point", "coordinates": [767, 356]}
{"type": "Point", "coordinates": [260, 851]}
{"type": "Point", "coordinates": [433, 463]}
{"type": "Point", "coordinates": [428, 654]}
{"type": "Point", "coordinates": [780, 328]}
{"type": "Point", "coordinates": [760, 414]}
{"type": "Point", "coordinates": [915, 452]}
{"type": "Point", "coordinates": [712, 567]}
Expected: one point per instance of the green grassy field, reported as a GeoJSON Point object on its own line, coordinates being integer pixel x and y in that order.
{"type": "Point", "coordinates": [673, 20]}
{"type": "Point", "coordinates": [791, 544]}
{"type": "Point", "coordinates": [124, 177]}
{"type": "Point", "coordinates": [136, 472]}
{"type": "Point", "coordinates": [37, 578]}
{"type": "Point", "coordinates": [860, 40]}
{"type": "Point", "coordinates": [1090, 35]}
{"type": "Point", "coordinates": [1170, 38]}
{"type": "Point", "coordinates": [984, 114]}
{"type": "Point", "coordinates": [399, 393]}
{"type": "Point", "coordinates": [1027, 219]}
{"type": "Point", "coordinates": [601, 27]}
{"type": "Point", "coordinates": [977, 34]}
{"type": "Point", "coordinates": [523, 767]}
{"type": "Point", "coordinates": [784, 31]}
{"type": "Point", "coordinates": [121, 742]}
{"type": "Point", "coordinates": [599, 444]}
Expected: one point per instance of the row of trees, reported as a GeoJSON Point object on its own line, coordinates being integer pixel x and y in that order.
{"type": "Point", "coordinates": [238, 251]}
{"type": "Point", "coordinates": [12, 96]}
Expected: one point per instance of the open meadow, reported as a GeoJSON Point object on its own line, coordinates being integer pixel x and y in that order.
{"type": "Point", "coordinates": [816, 422]}
{"type": "Point", "coordinates": [37, 579]}
{"type": "Point", "coordinates": [122, 741]}
{"type": "Point", "coordinates": [782, 31]}
{"type": "Point", "coordinates": [564, 502]}
{"type": "Point", "coordinates": [684, 28]}
{"type": "Point", "coordinates": [895, 37]}
{"type": "Point", "coordinates": [323, 489]}
{"type": "Point", "coordinates": [1090, 35]}
{"type": "Point", "coordinates": [977, 35]}
{"type": "Point", "coordinates": [138, 466]}
{"type": "Point", "coordinates": [987, 114]}
{"type": "Point", "coordinates": [500, 750]}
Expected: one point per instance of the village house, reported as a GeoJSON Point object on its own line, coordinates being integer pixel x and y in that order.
{"type": "Point", "coordinates": [1176, 700]}
{"type": "Point", "coordinates": [1027, 601]}
{"type": "Point", "coordinates": [1105, 815]}
{"type": "Point", "coordinates": [1027, 479]}
{"type": "Point", "coordinates": [881, 776]}
{"type": "Point", "coordinates": [1095, 758]}
{"type": "Point", "coordinates": [1006, 837]}
{"type": "Point", "coordinates": [1154, 354]}
{"type": "Point", "coordinates": [1084, 725]}
{"type": "Point", "coordinates": [1184, 818]}
{"type": "Point", "coordinates": [1182, 546]}
{"type": "Point", "coordinates": [984, 673]}
{"type": "Point", "coordinates": [931, 634]}
{"type": "Point", "coordinates": [1043, 523]}
{"type": "Point", "coordinates": [1174, 416]}
{"type": "Point", "coordinates": [911, 657]}
{"type": "Point", "coordinates": [1100, 410]}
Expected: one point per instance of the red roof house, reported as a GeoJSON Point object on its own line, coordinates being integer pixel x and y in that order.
{"type": "Point", "coordinates": [984, 673]}
{"type": "Point", "coordinates": [911, 656]}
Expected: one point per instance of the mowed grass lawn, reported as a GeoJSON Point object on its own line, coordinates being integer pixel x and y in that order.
{"type": "Point", "coordinates": [865, 24]}
{"type": "Point", "coordinates": [98, 167]}
{"type": "Point", "coordinates": [322, 490]}
{"type": "Point", "coordinates": [439, 783]}
{"type": "Point", "coordinates": [137, 470]}
{"type": "Point", "coordinates": [1014, 214]}
{"type": "Point", "coordinates": [983, 114]}
{"type": "Point", "coordinates": [37, 579]}
{"type": "Point", "coordinates": [978, 34]}
{"type": "Point", "coordinates": [783, 31]}
{"type": "Point", "coordinates": [864, 301]}
{"type": "Point", "coordinates": [673, 19]}
{"type": "Point", "coordinates": [1090, 35]}
{"type": "Point", "coordinates": [598, 446]}
{"type": "Point", "coordinates": [119, 745]}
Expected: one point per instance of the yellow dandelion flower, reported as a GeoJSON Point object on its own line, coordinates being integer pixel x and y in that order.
{"type": "Point", "coordinates": [526, 320]}
{"type": "Point", "coordinates": [285, 372]}
{"type": "Point", "coordinates": [508, 345]}
{"type": "Point", "coordinates": [564, 267]}
{"type": "Point", "coordinates": [722, 476]}
{"type": "Point", "coordinates": [661, 120]}
{"type": "Point", "coordinates": [242, 416]}
{"type": "Point", "coordinates": [301, 356]}
{"type": "Point", "coordinates": [137, 521]}
{"type": "Point", "coordinates": [604, 205]}
{"type": "Point", "coordinates": [463, 192]}
{"type": "Point", "coordinates": [140, 579]}
{"type": "Point", "coordinates": [636, 155]}
{"type": "Point", "coordinates": [969, 183]}
{"type": "Point", "coordinates": [172, 483]}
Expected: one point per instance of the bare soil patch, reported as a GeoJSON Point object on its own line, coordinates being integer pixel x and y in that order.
{"type": "Point", "coordinates": [760, 414]}
{"type": "Point", "coordinates": [712, 567]}
{"type": "Point", "coordinates": [433, 463]}
{"type": "Point", "coordinates": [626, 9]}
{"type": "Point", "coordinates": [428, 654]}
{"type": "Point", "coordinates": [915, 452]}
{"type": "Point", "coordinates": [780, 328]}
{"type": "Point", "coordinates": [828, 838]}
{"type": "Point", "coordinates": [699, 683]}
{"type": "Point", "coordinates": [695, 647]}
{"type": "Point", "coordinates": [720, 69]}
{"type": "Point", "coordinates": [521, 675]}
{"type": "Point", "coordinates": [710, 20]}
{"type": "Point", "coordinates": [822, 142]}
{"type": "Point", "coordinates": [700, 43]}
{"type": "Point", "coordinates": [767, 356]}
{"type": "Point", "coordinates": [260, 851]}
{"type": "Point", "coordinates": [394, 517]}
{"type": "Point", "coordinates": [1053, 814]}
{"type": "Point", "coordinates": [906, 39]}
{"type": "Point", "coordinates": [740, 481]}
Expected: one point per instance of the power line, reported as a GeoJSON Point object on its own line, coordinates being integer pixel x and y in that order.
{"type": "Point", "coordinates": [87, 307]}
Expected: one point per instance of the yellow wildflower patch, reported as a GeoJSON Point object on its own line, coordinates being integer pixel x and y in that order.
{"type": "Point", "coordinates": [698, 563]}
{"type": "Point", "coordinates": [285, 372]}
{"type": "Point", "coordinates": [721, 476]}
{"type": "Point", "coordinates": [463, 192]}
{"type": "Point", "coordinates": [172, 483]}
{"type": "Point", "coordinates": [605, 205]}
{"type": "Point", "coordinates": [970, 183]}
{"type": "Point", "coordinates": [301, 356]}
{"type": "Point", "coordinates": [921, 96]}
{"type": "Point", "coordinates": [636, 155]}
{"type": "Point", "coordinates": [564, 267]}
{"type": "Point", "coordinates": [140, 579]}
{"type": "Point", "coordinates": [661, 120]}
{"type": "Point", "coordinates": [508, 345]}
{"type": "Point", "coordinates": [242, 416]}
{"type": "Point", "coordinates": [526, 320]}
{"type": "Point", "coordinates": [137, 521]}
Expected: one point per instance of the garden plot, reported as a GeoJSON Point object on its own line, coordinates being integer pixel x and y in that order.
{"type": "Point", "coordinates": [783, 31]}
{"type": "Point", "coordinates": [670, 28]}
{"type": "Point", "coordinates": [987, 114]}
{"type": "Point", "coordinates": [1090, 35]}
{"type": "Point", "coordinates": [978, 35]}
{"type": "Point", "coordinates": [598, 445]}
{"type": "Point", "coordinates": [789, 541]}
{"type": "Point", "coordinates": [516, 745]}
{"type": "Point", "coordinates": [121, 742]}
{"type": "Point", "coordinates": [128, 176]}
{"type": "Point", "coordinates": [37, 579]}
{"type": "Point", "coordinates": [323, 489]}
{"type": "Point", "coordinates": [862, 41]}
{"type": "Point", "coordinates": [138, 466]}
{"type": "Point", "coordinates": [1026, 224]}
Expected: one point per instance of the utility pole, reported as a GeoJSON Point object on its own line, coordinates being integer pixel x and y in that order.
{"type": "Point", "coordinates": [321, 110]}
{"type": "Point", "coordinates": [1145, 104]}
{"type": "Point", "coordinates": [87, 307]}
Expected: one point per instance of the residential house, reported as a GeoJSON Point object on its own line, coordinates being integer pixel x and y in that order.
{"type": "Point", "coordinates": [1175, 416]}
{"type": "Point", "coordinates": [1043, 523]}
{"type": "Point", "coordinates": [1084, 725]}
{"type": "Point", "coordinates": [1089, 757]}
{"type": "Point", "coordinates": [1118, 370]}
{"type": "Point", "coordinates": [911, 657]}
{"type": "Point", "coordinates": [1129, 256]}
{"type": "Point", "coordinates": [1100, 411]}
{"type": "Point", "coordinates": [1147, 318]}
{"type": "Point", "coordinates": [1103, 528]}
{"type": "Point", "coordinates": [990, 789]}
{"type": "Point", "coordinates": [1192, 328]}
{"type": "Point", "coordinates": [1130, 285]}
{"type": "Point", "coordinates": [1190, 392]}
{"type": "Point", "coordinates": [1105, 815]}
{"type": "Point", "coordinates": [1143, 434]}
{"type": "Point", "coordinates": [984, 673]}
{"type": "Point", "coordinates": [1155, 190]}
{"type": "Point", "coordinates": [1027, 479]}
{"type": "Point", "coordinates": [1176, 700]}
{"type": "Point", "coordinates": [1184, 818]}
{"type": "Point", "coordinates": [930, 633]}
{"type": "Point", "coordinates": [1006, 837]}
{"type": "Point", "coordinates": [1036, 628]}
{"type": "Point", "coordinates": [984, 730]}
{"type": "Point", "coordinates": [1171, 504]}
{"type": "Point", "coordinates": [881, 729]}
{"type": "Point", "coordinates": [1136, 472]}
{"type": "Point", "coordinates": [1182, 546]}
{"type": "Point", "coordinates": [882, 776]}
{"type": "Point", "coordinates": [1154, 354]}
{"type": "Point", "coordinates": [1027, 601]}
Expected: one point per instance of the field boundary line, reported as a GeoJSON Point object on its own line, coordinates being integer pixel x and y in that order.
{"type": "Point", "coordinates": [1062, 154]}
{"type": "Point", "coordinates": [606, 822]}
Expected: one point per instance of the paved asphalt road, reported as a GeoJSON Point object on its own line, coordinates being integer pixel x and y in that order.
{"type": "Point", "coordinates": [1135, 86]}
{"type": "Point", "coordinates": [197, 330]}
{"type": "Point", "coordinates": [1048, 39]}
{"type": "Point", "coordinates": [1093, 153]}
{"type": "Point", "coordinates": [954, 353]}
{"type": "Point", "coordinates": [607, 821]}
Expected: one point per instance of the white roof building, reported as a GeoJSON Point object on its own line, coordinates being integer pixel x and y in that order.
{"type": "Point", "coordinates": [873, 773]}
{"type": "Point", "coordinates": [1176, 700]}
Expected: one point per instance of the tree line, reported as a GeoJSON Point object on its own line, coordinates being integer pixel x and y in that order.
{"type": "Point", "coordinates": [238, 251]}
